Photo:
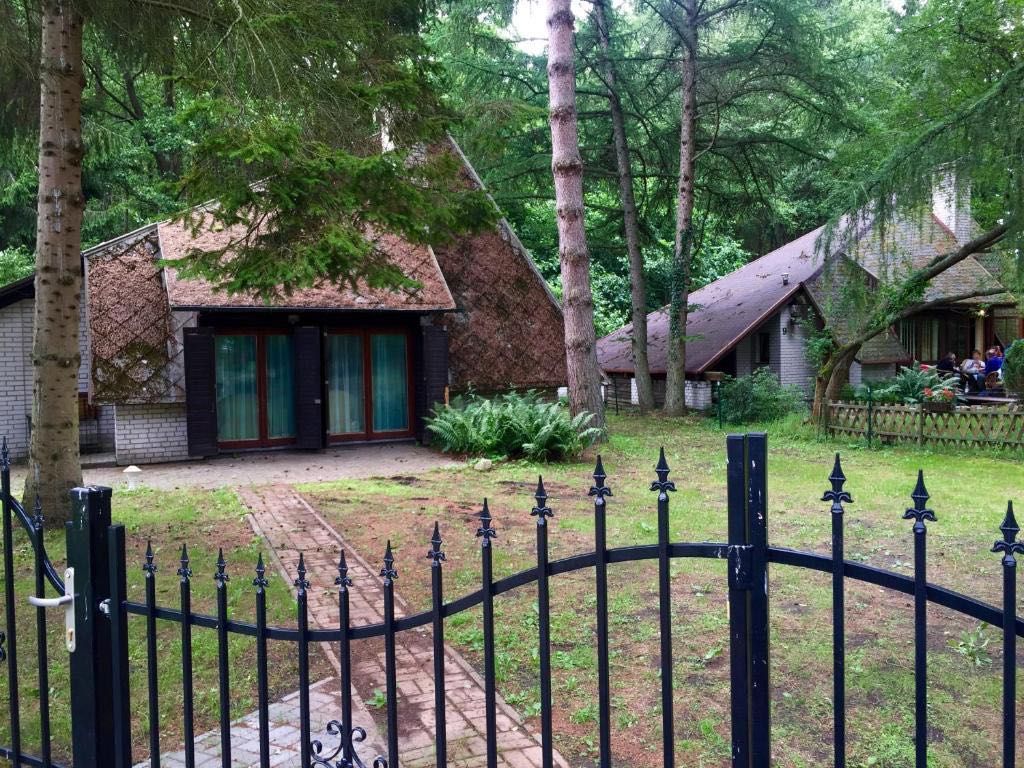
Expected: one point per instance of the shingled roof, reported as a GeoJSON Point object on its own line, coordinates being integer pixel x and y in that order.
{"type": "Point", "coordinates": [722, 312]}
{"type": "Point", "coordinates": [725, 311]}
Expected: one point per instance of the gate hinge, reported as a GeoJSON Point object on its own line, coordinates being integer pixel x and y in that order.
{"type": "Point", "coordinates": [741, 566]}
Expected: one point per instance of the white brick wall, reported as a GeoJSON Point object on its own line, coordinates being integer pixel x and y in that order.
{"type": "Point", "coordinates": [789, 354]}
{"type": "Point", "coordinates": [16, 379]}
{"type": "Point", "coordinates": [150, 433]}
{"type": "Point", "coordinates": [698, 395]}
{"type": "Point", "coordinates": [16, 375]}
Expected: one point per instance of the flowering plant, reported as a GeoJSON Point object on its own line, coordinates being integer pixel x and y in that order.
{"type": "Point", "coordinates": [941, 394]}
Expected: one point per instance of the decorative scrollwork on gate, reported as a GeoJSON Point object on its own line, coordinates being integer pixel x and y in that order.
{"type": "Point", "coordinates": [357, 736]}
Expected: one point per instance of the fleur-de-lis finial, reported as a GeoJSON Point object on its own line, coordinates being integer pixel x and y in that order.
{"type": "Point", "coordinates": [149, 567]}
{"type": "Point", "coordinates": [220, 576]}
{"type": "Point", "coordinates": [435, 554]}
{"type": "Point", "coordinates": [184, 571]}
{"type": "Point", "coordinates": [342, 579]}
{"type": "Point", "coordinates": [486, 531]}
{"type": "Point", "coordinates": [919, 512]}
{"type": "Point", "coordinates": [301, 583]}
{"type": "Point", "coordinates": [542, 510]}
{"type": "Point", "coordinates": [662, 485]}
{"type": "Point", "coordinates": [388, 572]}
{"type": "Point", "coordinates": [1009, 545]}
{"type": "Point", "coordinates": [837, 495]}
{"type": "Point", "coordinates": [599, 489]}
{"type": "Point", "coordinates": [260, 582]}
{"type": "Point", "coordinates": [37, 514]}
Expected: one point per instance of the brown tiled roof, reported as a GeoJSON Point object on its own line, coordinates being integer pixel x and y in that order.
{"type": "Point", "coordinates": [721, 312]}
{"type": "Point", "coordinates": [414, 261]}
{"type": "Point", "coordinates": [509, 329]}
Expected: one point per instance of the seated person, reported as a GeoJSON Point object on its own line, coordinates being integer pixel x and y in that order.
{"type": "Point", "coordinates": [947, 364]}
{"type": "Point", "coordinates": [973, 370]}
{"type": "Point", "coordinates": [994, 361]}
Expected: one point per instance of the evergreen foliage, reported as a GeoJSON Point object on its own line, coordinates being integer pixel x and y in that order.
{"type": "Point", "coordinates": [15, 263]}
{"type": "Point", "coordinates": [1013, 367]}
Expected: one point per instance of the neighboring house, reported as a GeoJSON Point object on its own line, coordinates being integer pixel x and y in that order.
{"type": "Point", "coordinates": [754, 316]}
{"type": "Point", "coordinates": [172, 368]}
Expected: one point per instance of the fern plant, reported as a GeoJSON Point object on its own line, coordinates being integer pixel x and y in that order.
{"type": "Point", "coordinates": [512, 425]}
{"type": "Point", "coordinates": [916, 384]}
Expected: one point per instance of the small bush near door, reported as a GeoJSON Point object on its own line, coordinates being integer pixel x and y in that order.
{"type": "Point", "coordinates": [512, 425]}
{"type": "Point", "coordinates": [758, 397]}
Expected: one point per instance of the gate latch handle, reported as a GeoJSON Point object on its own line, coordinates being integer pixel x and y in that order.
{"type": "Point", "coordinates": [67, 602]}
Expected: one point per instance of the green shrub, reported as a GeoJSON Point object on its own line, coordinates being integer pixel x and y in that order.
{"type": "Point", "coordinates": [513, 425]}
{"type": "Point", "coordinates": [758, 397]}
{"type": "Point", "coordinates": [1013, 367]}
{"type": "Point", "coordinates": [880, 392]}
{"type": "Point", "coordinates": [915, 385]}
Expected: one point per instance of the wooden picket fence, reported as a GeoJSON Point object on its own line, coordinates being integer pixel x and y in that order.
{"type": "Point", "coordinates": [993, 426]}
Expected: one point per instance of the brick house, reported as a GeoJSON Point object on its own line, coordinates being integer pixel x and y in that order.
{"type": "Point", "coordinates": [755, 316]}
{"type": "Point", "coordinates": [173, 368]}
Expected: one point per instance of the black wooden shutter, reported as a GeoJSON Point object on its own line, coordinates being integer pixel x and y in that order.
{"type": "Point", "coordinates": [433, 377]}
{"type": "Point", "coordinates": [309, 411]}
{"type": "Point", "coordinates": [200, 392]}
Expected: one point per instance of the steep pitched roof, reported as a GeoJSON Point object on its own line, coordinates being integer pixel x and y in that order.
{"type": "Point", "coordinates": [415, 261]}
{"type": "Point", "coordinates": [722, 312]}
{"type": "Point", "coordinates": [504, 323]}
{"type": "Point", "coordinates": [910, 243]}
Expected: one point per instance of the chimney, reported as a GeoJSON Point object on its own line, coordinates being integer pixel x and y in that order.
{"type": "Point", "coordinates": [951, 203]}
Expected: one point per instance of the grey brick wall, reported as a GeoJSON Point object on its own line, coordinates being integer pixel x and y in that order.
{"type": "Point", "coordinates": [16, 374]}
{"type": "Point", "coordinates": [150, 433]}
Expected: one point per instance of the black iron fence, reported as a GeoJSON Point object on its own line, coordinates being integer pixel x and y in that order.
{"type": "Point", "coordinates": [100, 679]}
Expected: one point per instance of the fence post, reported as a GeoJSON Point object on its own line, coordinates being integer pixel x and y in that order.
{"type": "Point", "coordinates": [92, 694]}
{"type": "Point", "coordinates": [748, 601]}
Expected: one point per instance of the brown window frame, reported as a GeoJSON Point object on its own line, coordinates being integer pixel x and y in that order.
{"type": "Point", "coordinates": [369, 434]}
{"type": "Point", "coordinates": [263, 441]}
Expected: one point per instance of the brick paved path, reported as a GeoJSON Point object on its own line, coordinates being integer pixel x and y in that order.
{"type": "Point", "coordinates": [290, 525]}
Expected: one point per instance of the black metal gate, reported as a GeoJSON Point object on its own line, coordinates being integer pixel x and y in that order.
{"type": "Point", "coordinates": [101, 720]}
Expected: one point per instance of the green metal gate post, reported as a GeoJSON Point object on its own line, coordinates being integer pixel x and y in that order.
{"type": "Point", "coordinates": [92, 695]}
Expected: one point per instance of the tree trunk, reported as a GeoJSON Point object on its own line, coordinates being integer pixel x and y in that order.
{"type": "Point", "coordinates": [831, 379]}
{"type": "Point", "coordinates": [54, 463]}
{"type": "Point", "coordinates": [675, 385]}
{"type": "Point", "coordinates": [567, 169]}
{"type": "Point", "coordinates": [631, 225]}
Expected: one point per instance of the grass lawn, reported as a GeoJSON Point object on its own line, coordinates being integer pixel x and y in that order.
{"type": "Point", "coordinates": [204, 520]}
{"type": "Point", "coordinates": [969, 493]}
